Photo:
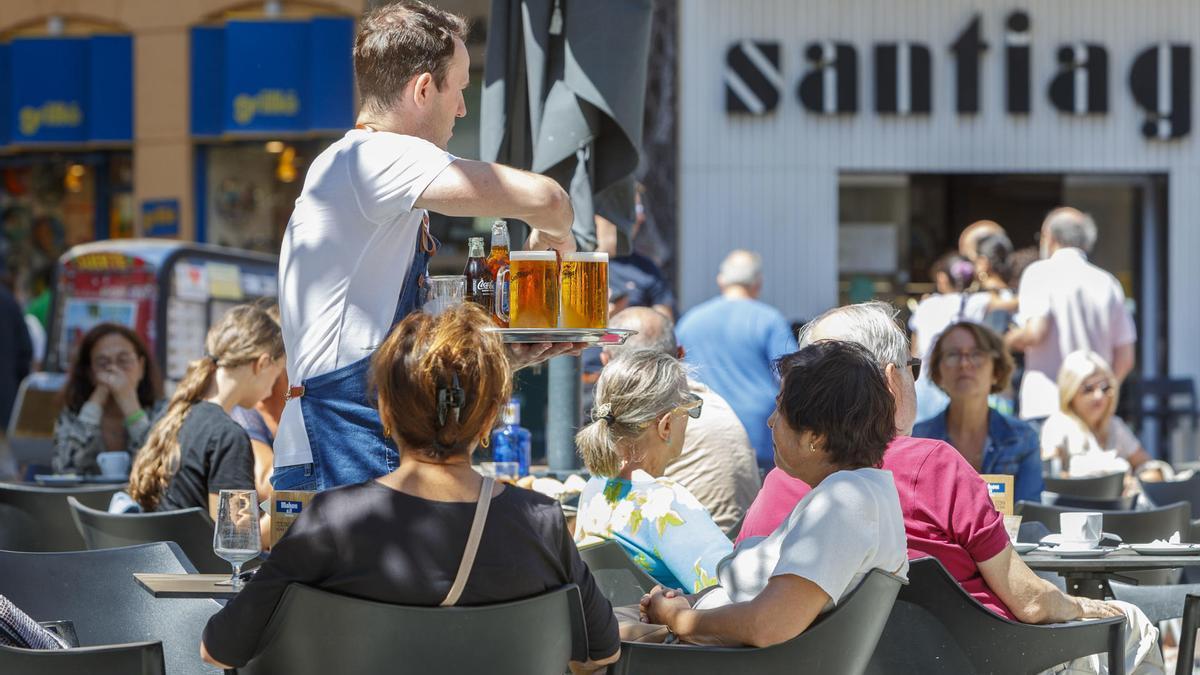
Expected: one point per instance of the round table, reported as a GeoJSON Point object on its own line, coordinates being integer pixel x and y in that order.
{"type": "Point", "coordinates": [1088, 577]}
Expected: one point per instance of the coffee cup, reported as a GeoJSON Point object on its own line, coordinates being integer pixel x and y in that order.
{"type": "Point", "coordinates": [1081, 529]}
{"type": "Point", "coordinates": [114, 464]}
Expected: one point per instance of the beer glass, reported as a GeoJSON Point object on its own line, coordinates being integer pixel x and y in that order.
{"type": "Point", "coordinates": [236, 536]}
{"type": "Point", "coordinates": [585, 290]}
{"type": "Point", "coordinates": [532, 278]}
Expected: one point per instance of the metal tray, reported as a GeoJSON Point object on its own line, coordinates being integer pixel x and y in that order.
{"type": "Point", "coordinates": [597, 336]}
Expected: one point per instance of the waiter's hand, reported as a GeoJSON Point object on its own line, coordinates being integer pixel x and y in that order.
{"type": "Point", "coordinates": [528, 354]}
{"type": "Point", "coordinates": [541, 241]}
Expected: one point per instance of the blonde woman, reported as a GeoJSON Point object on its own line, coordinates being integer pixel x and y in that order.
{"type": "Point", "coordinates": [1085, 423]}
{"type": "Point", "coordinates": [196, 449]}
{"type": "Point", "coordinates": [638, 423]}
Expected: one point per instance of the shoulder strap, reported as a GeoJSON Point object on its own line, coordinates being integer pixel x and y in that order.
{"type": "Point", "coordinates": [468, 559]}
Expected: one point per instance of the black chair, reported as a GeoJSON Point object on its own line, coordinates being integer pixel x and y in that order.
{"type": "Point", "coordinates": [839, 641]}
{"type": "Point", "coordinates": [1163, 603]}
{"type": "Point", "coordinates": [115, 619]}
{"type": "Point", "coordinates": [619, 578]}
{"type": "Point", "coordinates": [191, 528]}
{"type": "Point", "coordinates": [314, 631]}
{"type": "Point", "coordinates": [1118, 504]}
{"type": "Point", "coordinates": [1098, 487]}
{"type": "Point", "coordinates": [1169, 492]}
{"type": "Point", "coordinates": [1170, 399]}
{"type": "Point", "coordinates": [937, 628]}
{"type": "Point", "coordinates": [34, 518]}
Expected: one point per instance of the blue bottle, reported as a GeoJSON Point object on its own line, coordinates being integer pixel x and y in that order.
{"type": "Point", "coordinates": [512, 442]}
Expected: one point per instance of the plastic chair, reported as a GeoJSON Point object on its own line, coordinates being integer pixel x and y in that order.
{"type": "Point", "coordinates": [1118, 504]}
{"type": "Point", "coordinates": [314, 631]}
{"type": "Point", "coordinates": [120, 626]}
{"type": "Point", "coordinates": [1169, 492]}
{"type": "Point", "coordinates": [1163, 603]}
{"type": "Point", "coordinates": [840, 641]}
{"type": "Point", "coordinates": [191, 528]}
{"type": "Point", "coordinates": [619, 578]}
{"type": "Point", "coordinates": [938, 628]}
{"type": "Point", "coordinates": [34, 518]}
{"type": "Point", "coordinates": [1098, 487]}
{"type": "Point", "coordinates": [35, 411]}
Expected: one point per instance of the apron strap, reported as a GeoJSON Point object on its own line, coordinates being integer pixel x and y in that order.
{"type": "Point", "coordinates": [468, 559]}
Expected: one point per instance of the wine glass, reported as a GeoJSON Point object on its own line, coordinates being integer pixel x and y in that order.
{"type": "Point", "coordinates": [236, 538]}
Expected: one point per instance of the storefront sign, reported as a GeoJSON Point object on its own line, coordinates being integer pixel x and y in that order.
{"type": "Point", "coordinates": [1159, 76]}
{"type": "Point", "coordinates": [260, 77]}
{"type": "Point", "coordinates": [160, 218]}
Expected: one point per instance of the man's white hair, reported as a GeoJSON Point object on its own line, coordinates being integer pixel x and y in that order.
{"type": "Point", "coordinates": [869, 324]}
{"type": "Point", "coordinates": [655, 331]}
{"type": "Point", "coordinates": [740, 268]}
{"type": "Point", "coordinates": [1072, 228]}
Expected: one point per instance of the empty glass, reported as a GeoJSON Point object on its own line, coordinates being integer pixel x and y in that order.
{"type": "Point", "coordinates": [236, 537]}
{"type": "Point", "coordinates": [445, 291]}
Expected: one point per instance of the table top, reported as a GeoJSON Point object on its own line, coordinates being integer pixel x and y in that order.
{"type": "Point", "coordinates": [186, 585]}
{"type": "Point", "coordinates": [1119, 560]}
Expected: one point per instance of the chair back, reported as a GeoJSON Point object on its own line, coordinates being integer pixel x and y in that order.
{"type": "Point", "coordinates": [35, 410]}
{"type": "Point", "coordinates": [112, 615]}
{"type": "Point", "coordinates": [191, 528]}
{"type": "Point", "coordinates": [937, 627]}
{"type": "Point", "coordinates": [1098, 487]}
{"type": "Point", "coordinates": [1119, 504]}
{"type": "Point", "coordinates": [314, 631]}
{"type": "Point", "coordinates": [619, 578]}
{"type": "Point", "coordinates": [1171, 491]}
{"type": "Point", "coordinates": [34, 518]}
{"type": "Point", "coordinates": [839, 641]}
{"type": "Point", "coordinates": [1132, 527]}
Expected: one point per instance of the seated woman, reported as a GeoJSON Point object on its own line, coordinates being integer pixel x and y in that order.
{"type": "Point", "coordinates": [400, 538]}
{"type": "Point", "coordinates": [834, 418]}
{"type": "Point", "coordinates": [1086, 428]}
{"type": "Point", "coordinates": [112, 397]}
{"type": "Point", "coordinates": [640, 416]}
{"type": "Point", "coordinates": [969, 362]}
{"type": "Point", "coordinates": [196, 450]}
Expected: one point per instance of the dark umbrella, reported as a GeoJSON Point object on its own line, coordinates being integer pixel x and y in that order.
{"type": "Point", "coordinates": [564, 95]}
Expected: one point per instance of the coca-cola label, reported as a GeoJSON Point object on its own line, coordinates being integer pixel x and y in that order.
{"type": "Point", "coordinates": [484, 286]}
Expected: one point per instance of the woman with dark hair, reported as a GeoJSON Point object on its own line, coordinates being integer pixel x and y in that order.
{"type": "Point", "coordinates": [833, 420]}
{"type": "Point", "coordinates": [440, 384]}
{"type": "Point", "coordinates": [993, 272]}
{"type": "Point", "coordinates": [112, 397]}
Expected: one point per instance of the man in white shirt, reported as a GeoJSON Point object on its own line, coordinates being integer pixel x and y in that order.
{"type": "Point", "coordinates": [355, 251]}
{"type": "Point", "coordinates": [1066, 304]}
{"type": "Point", "coordinates": [717, 464]}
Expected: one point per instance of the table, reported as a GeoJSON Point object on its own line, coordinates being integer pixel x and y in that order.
{"type": "Point", "coordinates": [186, 585]}
{"type": "Point", "coordinates": [1088, 577]}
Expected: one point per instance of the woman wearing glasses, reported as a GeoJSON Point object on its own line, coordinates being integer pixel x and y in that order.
{"type": "Point", "coordinates": [638, 423]}
{"type": "Point", "coordinates": [1086, 425]}
{"type": "Point", "coordinates": [112, 397]}
{"type": "Point", "coordinates": [969, 362]}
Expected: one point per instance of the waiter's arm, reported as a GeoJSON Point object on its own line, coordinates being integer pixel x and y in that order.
{"type": "Point", "coordinates": [471, 188]}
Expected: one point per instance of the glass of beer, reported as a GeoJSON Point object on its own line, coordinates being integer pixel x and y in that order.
{"type": "Point", "coordinates": [585, 290]}
{"type": "Point", "coordinates": [533, 289]}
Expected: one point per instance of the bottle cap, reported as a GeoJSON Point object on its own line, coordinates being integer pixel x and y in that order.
{"type": "Point", "coordinates": [475, 247]}
{"type": "Point", "coordinates": [512, 413]}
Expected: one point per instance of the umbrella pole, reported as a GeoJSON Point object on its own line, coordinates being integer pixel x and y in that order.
{"type": "Point", "coordinates": [563, 413]}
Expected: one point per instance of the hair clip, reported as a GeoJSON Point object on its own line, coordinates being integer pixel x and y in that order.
{"type": "Point", "coordinates": [603, 412]}
{"type": "Point", "coordinates": [450, 398]}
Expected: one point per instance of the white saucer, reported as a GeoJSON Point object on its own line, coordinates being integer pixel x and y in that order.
{"type": "Point", "coordinates": [1023, 548]}
{"type": "Point", "coordinates": [1098, 552]}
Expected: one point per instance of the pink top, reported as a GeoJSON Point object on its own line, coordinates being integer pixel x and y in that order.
{"type": "Point", "coordinates": [947, 511]}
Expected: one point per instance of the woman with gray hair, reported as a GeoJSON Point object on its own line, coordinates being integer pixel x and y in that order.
{"type": "Point", "coordinates": [638, 423]}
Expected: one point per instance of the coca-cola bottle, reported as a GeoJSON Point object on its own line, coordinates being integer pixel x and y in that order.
{"type": "Point", "coordinates": [481, 285]}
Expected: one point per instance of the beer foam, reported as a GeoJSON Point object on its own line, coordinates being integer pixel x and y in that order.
{"type": "Point", "coordinates": [592, 257]}
{"type": "Point", "coordinates": [532, 255]}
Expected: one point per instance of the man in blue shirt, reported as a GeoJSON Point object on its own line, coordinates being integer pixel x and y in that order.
{"type": "Point", "coordinates": [733, 341]}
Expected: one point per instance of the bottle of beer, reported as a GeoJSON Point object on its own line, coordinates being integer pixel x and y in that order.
{"type": "Point", "coordinates": [481, 285]}
{"type": "Point", "coordinates": [497, 260]}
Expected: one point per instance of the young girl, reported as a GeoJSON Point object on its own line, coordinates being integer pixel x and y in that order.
{"type": "Point", "coordinates": [196, 449]}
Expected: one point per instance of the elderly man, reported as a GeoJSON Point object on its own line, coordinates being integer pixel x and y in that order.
{"type": "Point", "coordinates": [733, 341]}
{"type": "Point", "coordinates": [1067, 304]}
{"type": "Point", "coordinates": [717, 463]}
{"type": "Point", "coordinates": [947, 511]}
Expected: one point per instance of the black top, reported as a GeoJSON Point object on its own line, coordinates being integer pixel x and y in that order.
{"type": "Point", "coordinates": [372, 542]}
{"type": "Point", "coordinates": [16, 353]}
{"type": "Point", "coordinates": [215, 455]}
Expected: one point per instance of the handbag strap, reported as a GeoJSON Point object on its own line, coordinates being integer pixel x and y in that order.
{"type": "Point", "coordinates": [468, 559]}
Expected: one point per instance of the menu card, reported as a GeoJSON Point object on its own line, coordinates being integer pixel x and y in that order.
{"type": "Point", "coordinates": [286, 507]}
{"type": "Point", "coordinates": [1000, 487]}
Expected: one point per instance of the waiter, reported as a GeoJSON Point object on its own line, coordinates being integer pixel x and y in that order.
{"type": "Point", "coordinates": [357, 247]}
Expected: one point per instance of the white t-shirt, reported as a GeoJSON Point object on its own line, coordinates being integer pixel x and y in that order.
{"type": "Point", "coordinates": [848, 525]}
{"type": "Point", "coordinates": [346, 252]}
{"type": "Point", "coordinates": [1064, 431]}
{"type": "Point", "coordinates": [937, 312]}
{"type": "Point", "coordinates": [1086, 309]}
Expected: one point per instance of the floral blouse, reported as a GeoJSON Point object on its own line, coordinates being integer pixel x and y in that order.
{"type": "Point", "coordinates": [660, 525]}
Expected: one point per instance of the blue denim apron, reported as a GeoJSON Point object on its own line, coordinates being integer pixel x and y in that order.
{"type": "Point", "coordinates": [344, 431]}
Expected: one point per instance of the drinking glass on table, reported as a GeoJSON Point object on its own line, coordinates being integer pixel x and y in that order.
{"type": "Point", "coordinates": [236, 538]}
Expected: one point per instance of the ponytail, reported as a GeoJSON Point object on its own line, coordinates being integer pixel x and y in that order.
{"type": "Point", "coordinates": [598, 448]}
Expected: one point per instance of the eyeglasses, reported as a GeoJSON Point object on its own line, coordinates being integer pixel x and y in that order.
{"type": "Point", "coordinates": [693, 405]}
{"type": "Point", "coordinates": [1105, 389]}
{"type": "Point", "coordinates": [976, 357]}
{"type": "Point", "coordinates": [122, 361]}
{"type": "Point", "coordinates": [915, 364]}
